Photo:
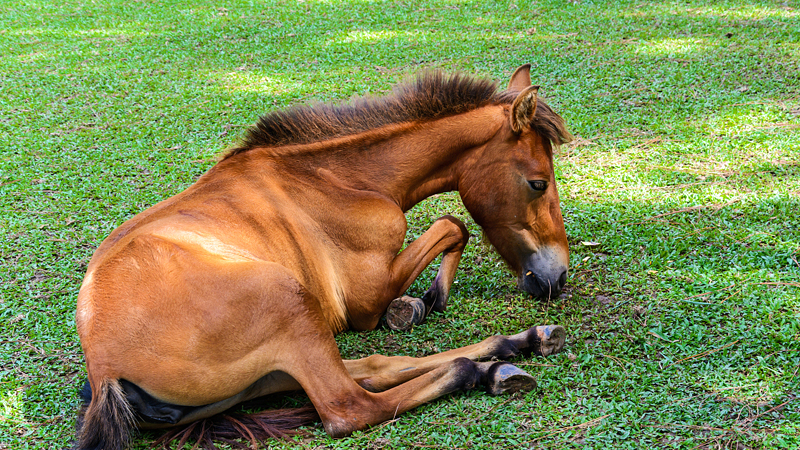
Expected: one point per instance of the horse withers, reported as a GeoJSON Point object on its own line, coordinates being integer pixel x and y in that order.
{"type": "Point", "coordinates": [235, 288]}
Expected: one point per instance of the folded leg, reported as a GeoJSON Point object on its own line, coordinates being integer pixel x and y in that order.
{"type": "Point", "coordinates": [377, 372]}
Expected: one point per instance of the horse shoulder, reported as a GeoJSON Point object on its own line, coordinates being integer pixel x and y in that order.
{"type": "Point", "coordinates": [365, 220]}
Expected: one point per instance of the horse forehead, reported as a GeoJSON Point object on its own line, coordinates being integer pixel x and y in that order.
{"type": "Point", "coordinates": [529, 149]}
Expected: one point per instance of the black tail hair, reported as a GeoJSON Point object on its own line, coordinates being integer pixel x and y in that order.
{"type": "Point", "coordinates": [276, 424]}
{"type": "Point", "coordinates": [106, 419]}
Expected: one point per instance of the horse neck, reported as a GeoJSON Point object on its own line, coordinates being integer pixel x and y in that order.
{"type": "Point", "coordinates": [407, 162]}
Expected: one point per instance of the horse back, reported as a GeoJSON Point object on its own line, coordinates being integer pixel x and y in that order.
{"type": "Point", "coordinates": [326, 234]}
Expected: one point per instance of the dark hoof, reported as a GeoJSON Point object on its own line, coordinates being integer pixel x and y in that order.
{"type": "Point", "coordinates": [405, 312]}
{"type": "Point", "coordinates": [543, 340]}
{"type": "Point", "coordinates": [550, 339]}
{"type": "Point", "coordinates": [506, 378]}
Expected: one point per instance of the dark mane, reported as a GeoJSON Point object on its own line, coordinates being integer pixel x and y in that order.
{"type": "Point", "coordinates": [431, 96]}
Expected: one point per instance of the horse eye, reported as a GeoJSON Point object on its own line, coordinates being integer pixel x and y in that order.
{"type": "Point", "coordinates": [538, 185]}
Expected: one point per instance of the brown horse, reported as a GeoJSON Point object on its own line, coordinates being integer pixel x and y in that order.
{"type": "Point", "coordinates": [235, 288]}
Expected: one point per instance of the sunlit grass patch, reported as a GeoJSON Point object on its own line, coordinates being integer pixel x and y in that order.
{"type": "Point", "coordinates": [680, 196]}
{"type": "Point", "coordinates": [676, 47]}
{"type": "Point", "coordinates": [11, 409]}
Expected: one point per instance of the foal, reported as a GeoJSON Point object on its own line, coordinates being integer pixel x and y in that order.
{"type": "Point", "coordinates": [235, 288]}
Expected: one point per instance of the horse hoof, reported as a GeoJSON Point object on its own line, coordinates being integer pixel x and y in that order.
{"type": "Point", "coordinates": [405, 312]}
{"type": "Point", "coordinates": [549, 339]}
{"type": "Point", "coordinates": [505, 378]}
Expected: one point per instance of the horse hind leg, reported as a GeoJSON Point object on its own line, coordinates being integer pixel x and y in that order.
{"type": "Point", "coordinates": [378, 373]}
{"type": "Point", "coordinates": [351, 395]}
{"type": "Point", "coordinates": [308, 353]}
{"type": "Point", "coordinates": [343, 413]}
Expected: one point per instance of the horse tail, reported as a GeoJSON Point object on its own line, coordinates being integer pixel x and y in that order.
{"type": "Point", "coordinates": [106, 418]}
{"type": "Point", "coordinates": [272, 424]}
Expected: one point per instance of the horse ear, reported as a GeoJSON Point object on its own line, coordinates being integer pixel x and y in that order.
{"type": "Point", "coordinates": [524, 108]}
{"type": "Point", "coordinates": [521, 78]}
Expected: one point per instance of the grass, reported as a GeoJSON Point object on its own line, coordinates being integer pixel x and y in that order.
{"type": "Point", "coordinates": [683, 323]}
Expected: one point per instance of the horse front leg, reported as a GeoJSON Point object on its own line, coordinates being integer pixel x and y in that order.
{"type": "Point", "coordinates": [447, 236]}
{"type": "Point", "coordinates": [378, 373]}
{"type": "Point", "coordinates": [344, 406]}
{"type": "Point", "coordinates": [352, 395]}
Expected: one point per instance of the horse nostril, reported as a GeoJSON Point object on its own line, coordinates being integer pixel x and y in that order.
{"type": "Point", "coordinates": [546, 288]}
{"type": "Point", "coordinates": [562, 280]}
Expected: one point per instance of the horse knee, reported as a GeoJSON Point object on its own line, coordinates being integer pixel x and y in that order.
{"type": "Point", "coordinates": [457, 230]}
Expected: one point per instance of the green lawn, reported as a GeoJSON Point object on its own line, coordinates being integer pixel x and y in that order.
{"type": "Point", "coordinates": [683, 323]}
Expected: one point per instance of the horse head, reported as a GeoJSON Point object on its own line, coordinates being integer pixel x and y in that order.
{"type": "Point", "coordinates": [510, 191]}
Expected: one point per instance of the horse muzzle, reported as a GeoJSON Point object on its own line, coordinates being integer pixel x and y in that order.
{"type": "Point", "coordinates": [543, 275]}
{"type": "Point", "coordinates": [543, 287]}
